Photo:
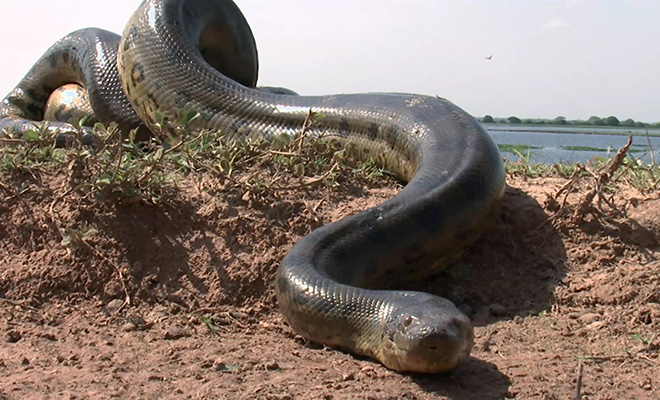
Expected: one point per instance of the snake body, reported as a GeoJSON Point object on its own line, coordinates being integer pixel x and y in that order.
{"type": "Point", "coordinates": [333, 285]}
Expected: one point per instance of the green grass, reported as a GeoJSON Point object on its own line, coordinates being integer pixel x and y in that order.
{"type": "Point", "coordinates": [120, 170]}
{"type": "Point", "coordinates": [633, 171]}
{"type": "Point", "coordinates": [517, 148]}
{"type": "Point", "coordinates": [599, 149]}
{"type": "Point", "coordinates": [524, 167]}
{"type": "Point", "coordinates": [583, 148]}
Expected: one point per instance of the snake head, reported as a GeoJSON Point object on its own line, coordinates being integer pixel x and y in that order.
{"type": "Point", "coordinates": [427, 334]}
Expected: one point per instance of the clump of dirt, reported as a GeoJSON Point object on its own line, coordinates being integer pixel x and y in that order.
{"type": "Point", "coordinates": [176, 300]}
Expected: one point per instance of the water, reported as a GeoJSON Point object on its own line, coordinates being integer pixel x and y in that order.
{"type": "Point", "coordinates": [556, 147]}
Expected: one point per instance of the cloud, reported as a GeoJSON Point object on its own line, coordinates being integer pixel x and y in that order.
{"type": "Point", "coordinates": [555, 23]}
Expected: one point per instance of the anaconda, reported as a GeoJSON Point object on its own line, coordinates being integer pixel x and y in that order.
{"type": "Point", "coordinates": [334, 285]}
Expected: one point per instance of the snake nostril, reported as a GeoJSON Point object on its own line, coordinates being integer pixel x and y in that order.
{"type": "Point", "coordinates": [433, 348]}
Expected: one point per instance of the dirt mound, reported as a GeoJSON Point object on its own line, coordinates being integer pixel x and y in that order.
{"type": "Point", "coordinates": [176, 299]}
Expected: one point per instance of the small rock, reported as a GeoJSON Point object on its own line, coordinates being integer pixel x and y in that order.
{"type": "Point", "coordinates": [140, 323]}
{"type": "Point", "coordinates": [518, 319]}
{"type": "Point", "coordinates": [239, 315]}
{"type": "Point", "coordinates": [114, 305]}
{"type": "Point", "coordinates": [13, 336]}
{"type": "Point", "coordinates": [176, 333]}
{"type": "Point", "coordinates": [594, 326]}
{"type": "Point", "coordinates": [49, 336]}
{"type": "Point", "coordinates": [112, 289]}
{"type": "Point", "coordinates": [158, 313]}
{"type": "Point", "coordinates": [589, 318]}
{"type": "Point", "coordinates": [128, 327]}
{"type": "Point", "coordinates": [174, 306]}
{"type": "Point", "coordinates": [221, 366]}
{"type": "Point", "coordinates": [497, 310]}
{"type": "Point", "coordinates": [348, 377]}
{"type": "Point", "coordinates": [25, 361]}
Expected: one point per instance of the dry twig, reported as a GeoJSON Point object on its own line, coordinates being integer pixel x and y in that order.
{"type": "Point", "coordinates": [578, 382]}
{"type": "Point", "coordinates": [601, 180]}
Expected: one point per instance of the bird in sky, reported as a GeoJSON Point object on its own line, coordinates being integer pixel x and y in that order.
{"type": "Point", "coordinates": [490, 57]}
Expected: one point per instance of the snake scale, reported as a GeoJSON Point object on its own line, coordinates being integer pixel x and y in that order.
{"type": "Point", "coordinates": [333, 286]}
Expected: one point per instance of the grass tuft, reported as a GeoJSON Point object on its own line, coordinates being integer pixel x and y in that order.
{"type": "Point", "coordinates": [121, 170]}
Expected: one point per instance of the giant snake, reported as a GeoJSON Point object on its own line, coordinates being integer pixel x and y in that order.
{"type": "Point", "coordinates": [333, 285]}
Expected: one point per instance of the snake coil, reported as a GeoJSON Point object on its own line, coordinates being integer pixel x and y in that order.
{"type": "Point", "coordinates": [332, 285]}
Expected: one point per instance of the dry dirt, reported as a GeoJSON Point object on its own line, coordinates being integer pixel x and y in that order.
{"type": "Point", "coordinates": [177, 301]}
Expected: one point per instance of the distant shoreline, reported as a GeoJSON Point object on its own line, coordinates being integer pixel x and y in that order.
{"type": "Point", "coordinates": [579, 129]}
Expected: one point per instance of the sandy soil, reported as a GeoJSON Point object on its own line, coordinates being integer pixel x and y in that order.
{"type": "Point", "coordinates": [177, 300]}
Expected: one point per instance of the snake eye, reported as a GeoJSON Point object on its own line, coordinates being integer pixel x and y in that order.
{"type": "Point", "coordinates": [406, 320]}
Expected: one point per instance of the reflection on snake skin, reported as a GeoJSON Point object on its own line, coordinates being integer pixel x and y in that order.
{"type": "Point", "coordinates": [333, 285]}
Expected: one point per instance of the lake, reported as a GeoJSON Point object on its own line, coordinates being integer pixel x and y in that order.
{"type": "Point", "coordinates": [550, 145]}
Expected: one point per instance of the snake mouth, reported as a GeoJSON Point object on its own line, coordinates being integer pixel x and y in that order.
{"type": "Point", "coordinates": [435, 352]}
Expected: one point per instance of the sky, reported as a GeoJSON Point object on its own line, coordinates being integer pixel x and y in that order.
{"type": "Point", "coordinates": [574, 58]}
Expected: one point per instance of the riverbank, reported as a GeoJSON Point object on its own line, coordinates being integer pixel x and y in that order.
{"type": "Point", "coordinates": [160, 284]}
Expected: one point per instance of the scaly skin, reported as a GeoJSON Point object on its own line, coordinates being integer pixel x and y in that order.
{"type": "Point", "coordinates": [330, 286]}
